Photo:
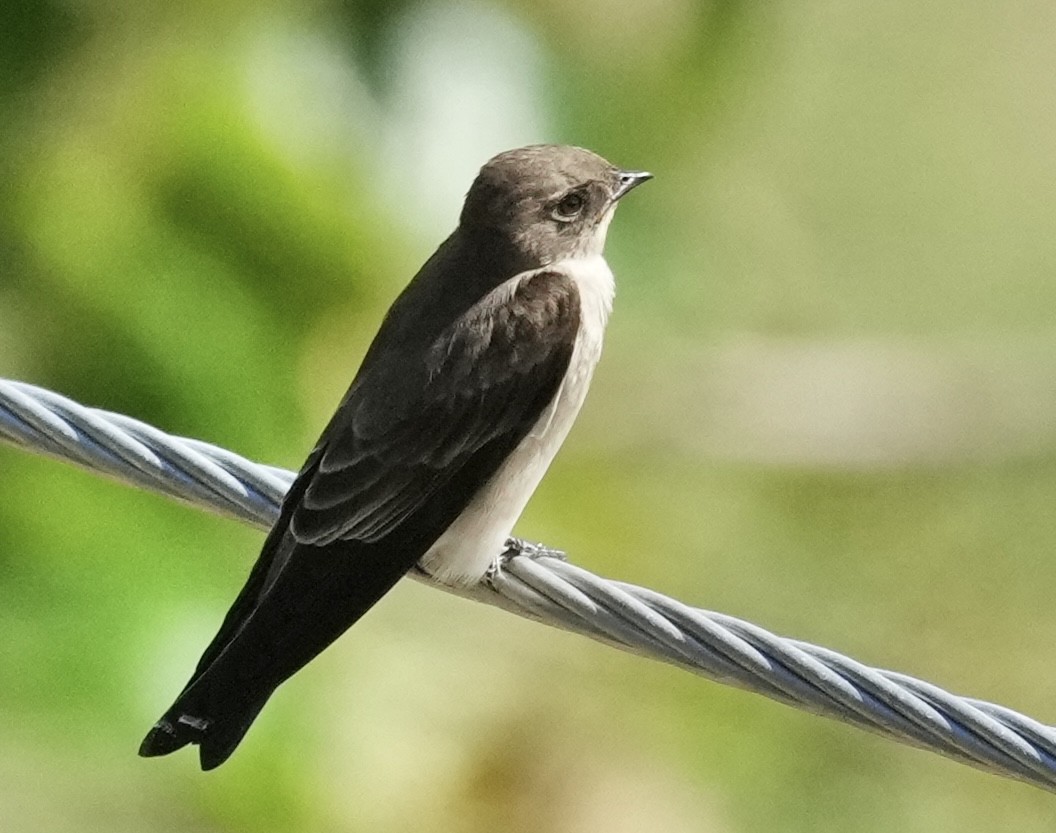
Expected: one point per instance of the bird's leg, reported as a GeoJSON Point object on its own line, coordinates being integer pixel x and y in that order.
{"type": "Point", "coordinates": [518, 546]}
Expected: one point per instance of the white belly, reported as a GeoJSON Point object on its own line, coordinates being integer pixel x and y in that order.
{"type": "Point", "coordinates": [472, 543]}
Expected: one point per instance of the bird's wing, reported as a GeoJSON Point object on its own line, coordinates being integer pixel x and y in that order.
{"type": "Point", "coordinates": [484, 381]}
{"type": "Point", "coordinates": [447, 419]}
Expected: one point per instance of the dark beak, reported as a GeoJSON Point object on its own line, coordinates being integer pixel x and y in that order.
{"type": "Point", "coordinates": [628, 180]}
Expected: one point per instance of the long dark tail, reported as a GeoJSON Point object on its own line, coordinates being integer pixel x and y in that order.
{"type": "Point", "coordinates": [317, 595]}
{"type": "Point", "coordinates": [299, 599]}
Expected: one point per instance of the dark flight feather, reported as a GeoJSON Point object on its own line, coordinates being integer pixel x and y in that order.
{"type": "Point", "coordinates": [444, 411]}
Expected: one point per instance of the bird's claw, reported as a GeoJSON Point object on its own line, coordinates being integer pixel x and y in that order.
{"type": "Point", "coordinates": [518, 546]}
{"type": "Point", "coordinates": [515, 547]}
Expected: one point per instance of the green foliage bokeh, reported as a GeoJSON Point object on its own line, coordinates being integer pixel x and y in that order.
{"type": "Point", "coordinates": [826, 405]}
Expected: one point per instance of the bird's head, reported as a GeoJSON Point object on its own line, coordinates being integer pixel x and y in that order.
{"type": "Point", "coordinates": [551, 202]}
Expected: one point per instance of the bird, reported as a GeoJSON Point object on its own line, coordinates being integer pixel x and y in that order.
{"type": "Point", "coordinates": [463, 398]}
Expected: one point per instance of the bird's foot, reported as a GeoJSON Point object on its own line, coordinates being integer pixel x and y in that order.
{"type": "Point", "coordinates": [515, 547]}
{"type": "Point", "coordinates": [518, 546]}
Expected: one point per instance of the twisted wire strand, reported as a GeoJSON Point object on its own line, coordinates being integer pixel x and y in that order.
{"type": "Point", "coordinates": [557, 593]}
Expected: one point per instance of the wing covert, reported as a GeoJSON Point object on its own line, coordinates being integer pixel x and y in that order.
{"type": "Point", "coordinates": [404, 431]}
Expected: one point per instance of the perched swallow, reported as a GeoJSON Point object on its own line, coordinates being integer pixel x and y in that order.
{"type": "Point", "coordinates": [466, 393]}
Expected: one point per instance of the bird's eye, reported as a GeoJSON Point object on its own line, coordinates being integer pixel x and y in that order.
{"type": "Point", "coordinates": [569, 207]}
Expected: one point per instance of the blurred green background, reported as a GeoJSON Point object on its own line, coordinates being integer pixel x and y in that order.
{"type": "Point", "coordinates": [827, 404]}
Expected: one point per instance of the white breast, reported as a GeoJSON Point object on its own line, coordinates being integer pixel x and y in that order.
{"type": "Point", "coordinates": [469, 546]}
